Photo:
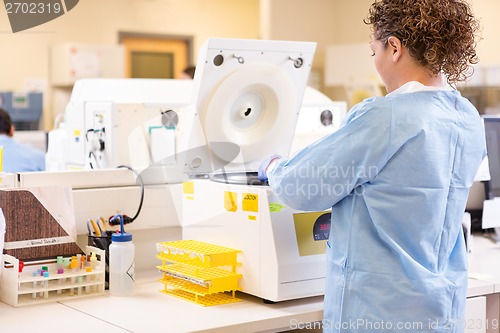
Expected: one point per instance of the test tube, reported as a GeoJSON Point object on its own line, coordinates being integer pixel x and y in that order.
{"type": "Point", "coordinates": [93, 260]}
{"type": "Point", "coordinates": [88, 269]}
{"type": "Point", "coordinates": [60, 280]}
{"type": "Point", "coordinates": [74, 267]}
{"type": "Point", "coordinates": [80, 280]}
{"type": "Point", "coordinates": [46, 284]}
{"type": "Point", "coordinates": [59, 262]}
{"type": "Point", "coordinates": [21, 267]}
{"type": "Point", "coordinates": [35, 274]}
{"type": "Point", "coordinates": [66, 265]}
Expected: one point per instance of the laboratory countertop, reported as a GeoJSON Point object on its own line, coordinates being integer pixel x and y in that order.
{"type": "Point", "coordinates": [149, 310]}
{"type": "Point", "coordinates": [483, 261]}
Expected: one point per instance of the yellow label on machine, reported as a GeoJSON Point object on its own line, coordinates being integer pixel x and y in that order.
{"type": "Point", "coordinates": [250, 202]}
{"type": "Point", "coordinates": [312, 230]}
{"type": "Point", "coordinates": [230, 201]}
{"type": "Point", "coordinates": [188, 187]}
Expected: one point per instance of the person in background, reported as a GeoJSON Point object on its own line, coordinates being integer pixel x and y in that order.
{"type": "Point", "coordinates": [188, 73]}
{"type": "Point", "coordinates": [17, 157]}
{"type": "Point", "coordinates": [397, 176]}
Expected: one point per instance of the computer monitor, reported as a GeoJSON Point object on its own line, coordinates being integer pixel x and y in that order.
{"type": "Point", "coordinates": [492, 131]}
{"type": "Point", "coordinates": [491, 206]}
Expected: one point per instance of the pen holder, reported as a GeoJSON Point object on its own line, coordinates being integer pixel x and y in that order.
{"type": "Point", "coordinates": [102, 242]}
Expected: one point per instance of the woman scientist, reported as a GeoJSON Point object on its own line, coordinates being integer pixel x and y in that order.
{"type": "Point", "coordinates": [397, 177]}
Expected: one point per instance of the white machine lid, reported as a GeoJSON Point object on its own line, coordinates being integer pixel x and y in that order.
{"type": "Point", "coordinates": [248, 93]}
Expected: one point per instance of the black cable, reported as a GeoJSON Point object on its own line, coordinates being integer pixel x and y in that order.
{"type": "Point", "coordinates": [141, 182]}
{"type": "Point", "coordinates": [95, 158]}
{"type": "Point", "coordinates": [87, 134]}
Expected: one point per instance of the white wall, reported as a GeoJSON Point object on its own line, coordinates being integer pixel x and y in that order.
{"type": "Point", "coordinates": [24, 55]}
{"type": "Point", "coordinates": [489, 48]}
{"type": "Point", "coordinates": [341, 22]}
{"type": "Point", "coordinates": [349, 26]}
{"type": "Point", "coordinates": [312, 20]}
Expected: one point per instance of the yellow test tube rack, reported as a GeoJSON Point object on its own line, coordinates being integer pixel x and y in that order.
{"type": "Point", "coordinates": [199, 272]}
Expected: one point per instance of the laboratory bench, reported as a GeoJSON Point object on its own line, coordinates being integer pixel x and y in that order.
{"type": "Point", "coordinates": [149, 310]}
{"type": "Point", "coordinates": [484, 268]}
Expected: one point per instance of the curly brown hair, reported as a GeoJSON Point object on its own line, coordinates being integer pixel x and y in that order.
{"type": "Point", "coordinates": [5, 122]}
{"type": "Point", "coordinates": [440, 35]}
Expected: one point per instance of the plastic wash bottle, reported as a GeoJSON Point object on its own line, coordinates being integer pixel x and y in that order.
{"type": "Point", "coordinates": [121, 263]}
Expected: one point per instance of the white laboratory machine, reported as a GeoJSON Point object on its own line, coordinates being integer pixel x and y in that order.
{"type": "Point", "coordinates": [140, 122]}
{"type": "Point", "coordinates": [249, 93]}
{"type": "Point", "coordinates": [242, 107]}
{"type": "Point", "coordinates": [109, 122]}
{"type": "Point", "coordinates": [318, 117]}
{"type": "Point", "coordinates": [135, 108]}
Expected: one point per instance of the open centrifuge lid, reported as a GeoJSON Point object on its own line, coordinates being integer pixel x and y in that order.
{"type": "Point", "coordinates": [246, 99]}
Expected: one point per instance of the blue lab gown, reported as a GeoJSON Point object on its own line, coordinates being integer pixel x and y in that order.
{"type": "Point", "coordinates": [397, 177]}
{"type": "Point", "coordinates": [19, 157]}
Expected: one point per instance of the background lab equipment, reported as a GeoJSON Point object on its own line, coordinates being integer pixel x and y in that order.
{"type": "Point", "coordinates": [318, 117]}
{"type": "Point", "coordinates": [116, 106]}
{"type": "Point", "coordinates": [249, 93]}
{"type": "Point", "coordinates": [25, 109]}
{"type": "Point", "coordinates": [105, 192]}
{"type": "Point", "coordinates": [109, 122]}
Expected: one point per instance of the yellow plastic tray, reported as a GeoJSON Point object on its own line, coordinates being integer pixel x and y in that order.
{"type": "Point", "coordinates": [209, 300]}
{"type": "Point", "coordinates": [199, 272]}
{"type": "Point", "coordinates": [195, 253]}
{"type": "Point", "coordinates": [214, 279]}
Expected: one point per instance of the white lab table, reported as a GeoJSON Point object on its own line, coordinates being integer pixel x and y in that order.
{"type": "Point", "coordinates": [51, 318]}
{"type": "Point", "coordinates": [484, 261]}
{"type": "Point", "coordinates": [149, 310]}
{"type": "Point", "coordinates": [484, 267]}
